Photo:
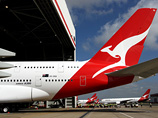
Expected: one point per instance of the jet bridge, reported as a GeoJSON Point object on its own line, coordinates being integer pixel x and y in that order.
{"type": "Point", "coordinates": [37, 30]}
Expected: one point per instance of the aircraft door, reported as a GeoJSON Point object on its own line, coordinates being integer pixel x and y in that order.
{"type": "Point", "coordinates": [61, 67]}
{"type": "Point", "coordinates": [17, 68]}
{"type": "Point", "coordinates": [38, 81]}
{"type": "Point", "coordinates": [82, 80]}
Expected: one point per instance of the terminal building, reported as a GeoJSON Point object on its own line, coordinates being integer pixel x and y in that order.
{"type": "Point", "coordinates": [154, 98]}
{"type": "Point", "coordinates": [38, 30]}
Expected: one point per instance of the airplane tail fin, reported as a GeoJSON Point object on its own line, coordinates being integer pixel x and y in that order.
{"type": "Point", "coordinates": [95, 98]}
{"type": "Point", "coordinates": [126, 44]}
{"type": "Point", "coordinates": [145, 96]}
{"type": "Point", "coordinates": [97, 101]}
{"type": "Point", "coordinates": [94, 95]}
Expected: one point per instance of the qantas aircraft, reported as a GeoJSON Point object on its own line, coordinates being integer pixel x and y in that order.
{"type": "Point", "coordinates": [88, 101]}
{"type": "Point", "coordinates": [126, 100]}
{"type": "Point", "coordinates": [115, 64]}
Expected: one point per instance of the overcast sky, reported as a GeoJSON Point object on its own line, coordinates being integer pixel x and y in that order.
{"type": "Point", "coordinates": [96, 21]}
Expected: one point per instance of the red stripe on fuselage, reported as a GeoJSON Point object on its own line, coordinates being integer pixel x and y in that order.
{"type": "Point", "coordinates": [100, 82]}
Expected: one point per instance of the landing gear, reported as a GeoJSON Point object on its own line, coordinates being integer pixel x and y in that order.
{"type": "Point", "coordinates": [5, 109]}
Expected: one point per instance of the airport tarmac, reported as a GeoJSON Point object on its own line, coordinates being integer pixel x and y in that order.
{"type": "Point", "coordinates": [144, 112]}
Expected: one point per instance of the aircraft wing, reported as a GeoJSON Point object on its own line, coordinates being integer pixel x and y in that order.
{"type": "Point", "coordinates": [125, 101]}
{"type": "Point", "coordinates": [145, 69]}
{"type": "Point", "coordinates": [5, 53]}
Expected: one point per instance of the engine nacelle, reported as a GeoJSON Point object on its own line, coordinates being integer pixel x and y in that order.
{"type": "Point", "coordinates": [11, 93]}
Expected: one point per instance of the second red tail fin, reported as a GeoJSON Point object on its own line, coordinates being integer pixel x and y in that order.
{"type": "Point", "coordinates": [145, 96]}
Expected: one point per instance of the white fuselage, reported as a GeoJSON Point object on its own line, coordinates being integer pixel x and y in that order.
{"type": "Point", "coordinates": [31, 81]}
{"type": "Point", "coordinates": [119, 100]}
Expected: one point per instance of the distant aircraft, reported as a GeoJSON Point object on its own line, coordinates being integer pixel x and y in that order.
{"type": "Point", "coordinates": [115, 64]}
{"type": "Point", "coordinates": [126, 100]}
{"type": "Point", "coordinates": [97, 102]}
{"type": "Point", "coordinates": [88, 101]}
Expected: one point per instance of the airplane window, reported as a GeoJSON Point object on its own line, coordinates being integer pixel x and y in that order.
{"type": "Point", "coordinates": [49, 80]}
{"type": "Point", "coordinates": [52, 80]}
{"type": "Point", "coordinates": [30, 80]}
{"type": "Point", "coordinates": [4, 80]}
{"type": "Point", "coordinates": [46, 80]}
{"type": "Point", "coordinates": [23, 80]}
{"type": "Point", "coordinates": [58, 80]}
{"type": "Point", "coordinates": [34, 67]}
{"type": "Point", "coordinates": [43, 67]}
{"type": "Point", "coordinates": [40, 67]}
{"type": "Point", "coordinates": [14, 80]}
{"type": "Point", "coordinates": [62, 80]}
{"type": "Point", "coordinates": [28, 67]}
{"type": "Point", "coordinates": [65, 80]}
{"type": "Point", "coordinates": [11, 80]}
{"type": "Point", "coordinates": [55, 80]}
{"type": "Point", "coordinates": [1, 80]}
{"type": "Point", "coordinates": [17, 80]}
{"type": "Point", "coordinates": [71, 80]}
{"type": "Point", "coordinates": [20, 80]}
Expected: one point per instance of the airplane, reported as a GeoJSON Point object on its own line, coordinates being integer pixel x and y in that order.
{"type": "Point", "coordinates": [115, 64]}
{"type": "Point", "coordinates": [97, 102]}
{"type": "Point", "coordinates": [88, 101]}
{"type": "Point", "coordinates": [132, 100]}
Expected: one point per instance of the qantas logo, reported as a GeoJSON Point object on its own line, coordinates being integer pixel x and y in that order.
{"type": "Point", "coordinates": [145, 96]}
{"type": "Point", "coordinates": [117, 52]}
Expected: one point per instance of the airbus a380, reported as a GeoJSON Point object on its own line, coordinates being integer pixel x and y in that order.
{"type": "Point", "coordinates": [115, 64]}
{"type": "Point", "coordinates": [117, 101]}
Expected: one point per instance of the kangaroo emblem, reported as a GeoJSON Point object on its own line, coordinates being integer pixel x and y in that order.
{"type": "Point", "coordinates": [121, 50]}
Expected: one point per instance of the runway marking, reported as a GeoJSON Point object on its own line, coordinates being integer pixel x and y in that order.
{"type": "Point", "coordinates": [126, 115]}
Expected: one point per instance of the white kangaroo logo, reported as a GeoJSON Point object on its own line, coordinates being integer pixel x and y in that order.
{"type": "Point", "coordinates": [112, 53]}
{"type": "Point", "coordinates": [121, 50]}
{"type": "Point", "coordinates": [145, 96]}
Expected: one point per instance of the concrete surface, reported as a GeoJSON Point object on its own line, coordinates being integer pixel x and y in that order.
{"type": "Point", "coordinates": [144, 112]}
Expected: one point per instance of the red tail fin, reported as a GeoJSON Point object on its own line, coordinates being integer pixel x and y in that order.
{"type": "Point", "coordinates": [145, 96]}
{"type": "Point", "coordinates": [126, 44]}
{"type": "Point", "coordinates": [94, 95]}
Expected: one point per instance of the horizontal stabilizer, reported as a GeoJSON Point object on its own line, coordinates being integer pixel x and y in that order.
{"type": "Point", "coordinates": [145, 69]}
{"type": "Point", "coordinates": [5, 53]}
{"type": "Point", "coordinates": [5, 65]}
{"type": "Point", "coordinates": [3, 74]}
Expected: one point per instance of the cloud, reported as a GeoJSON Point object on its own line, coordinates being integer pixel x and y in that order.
{"type": "Point", "coordinates": [90, 4]}
{"type": "Point", "coordinates": [110, 28]}
{"type": "Point", "coordinates": [91, 7]}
